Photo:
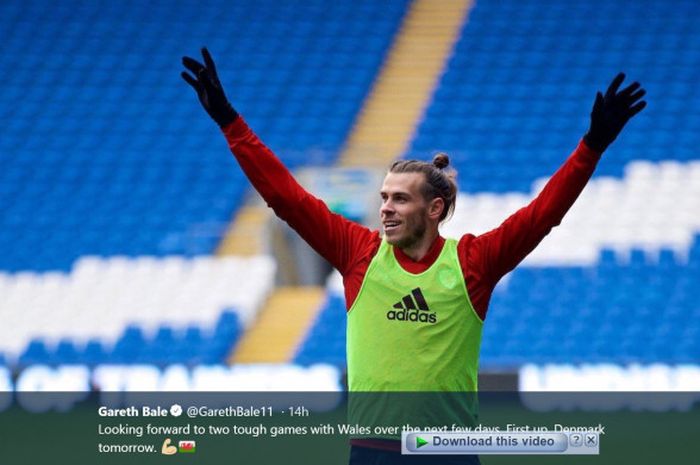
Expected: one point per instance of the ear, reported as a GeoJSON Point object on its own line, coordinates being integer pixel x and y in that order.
{"type": "Point", "coordinates": [435, 208]}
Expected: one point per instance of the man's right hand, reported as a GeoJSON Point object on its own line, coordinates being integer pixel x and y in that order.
{"type": "Point", "coordinates": [206, 83]}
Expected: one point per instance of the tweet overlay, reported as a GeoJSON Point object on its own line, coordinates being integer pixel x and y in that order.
{"type": "Point", "coordinates": [320, 427]}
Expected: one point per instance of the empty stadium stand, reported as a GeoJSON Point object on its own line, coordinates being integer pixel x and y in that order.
{"type": "Point", "coordinates": [115, 188]}
{"type": "Point", "coordinates": [105, 153]}
{"type": "Point", "coordinates": [136, 310]}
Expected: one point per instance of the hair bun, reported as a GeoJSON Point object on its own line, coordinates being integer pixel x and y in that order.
{"type": "Point", "coordinates": [441, 160]}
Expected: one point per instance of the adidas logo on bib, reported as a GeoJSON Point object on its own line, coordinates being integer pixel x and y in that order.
{"type": "Point", "coordinates": [412, 307]}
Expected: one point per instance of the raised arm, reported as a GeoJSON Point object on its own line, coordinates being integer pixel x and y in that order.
{"type": "Point", "coordinates": [335, 238]}
{"type": "Point", "coordinates": [501, 249]}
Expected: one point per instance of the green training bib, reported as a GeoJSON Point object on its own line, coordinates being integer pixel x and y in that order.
{"type": "Point", "coordinates": [413, 332]}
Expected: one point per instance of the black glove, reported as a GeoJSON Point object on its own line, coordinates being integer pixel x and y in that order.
{"type": "Point", "coordinates": [206, 84]}
{"type": "Point", "coordinates": [612, 111]}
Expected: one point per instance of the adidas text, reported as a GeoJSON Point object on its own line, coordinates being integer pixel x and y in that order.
{"type": "Point", "coordinates": [412, 315]}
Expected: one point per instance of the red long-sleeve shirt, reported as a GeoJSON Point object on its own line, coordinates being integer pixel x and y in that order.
{"type": "Point", "coordinates": [349, 246]}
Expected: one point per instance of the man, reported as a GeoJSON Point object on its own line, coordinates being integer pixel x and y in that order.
{"type": "Point", "coordinates": [416, 301]}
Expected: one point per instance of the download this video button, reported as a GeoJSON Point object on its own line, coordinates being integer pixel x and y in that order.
{"type": "Point", "coordinates": [499, 443]}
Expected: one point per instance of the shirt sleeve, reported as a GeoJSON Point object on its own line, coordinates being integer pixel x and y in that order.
{"type": "Point", "coordinates": [334, 237]}
{"type": "Point", "coordinates": [493, 254]}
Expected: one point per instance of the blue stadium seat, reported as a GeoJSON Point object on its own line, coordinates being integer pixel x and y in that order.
{"type": "Point", "coordinates": [94, 353]}
{"type": "Point", "coordinates": [36, 353]}
{"type": "Point", "coordinates": [325, 342]}
{"type": "Point", "coordinates": [129, 346]}
{"type": "Point", "coordinates": [66, 352]}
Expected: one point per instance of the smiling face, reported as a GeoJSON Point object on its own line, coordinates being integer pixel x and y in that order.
{"type": "Point", "coordinates": [405, 213]}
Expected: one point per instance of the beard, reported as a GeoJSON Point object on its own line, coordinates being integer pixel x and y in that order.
{"type": "Point", "coordinates": [415, 233]}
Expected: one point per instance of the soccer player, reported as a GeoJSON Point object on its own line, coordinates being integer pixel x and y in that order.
{"type": "Point", "coordinates": [415, 301]}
